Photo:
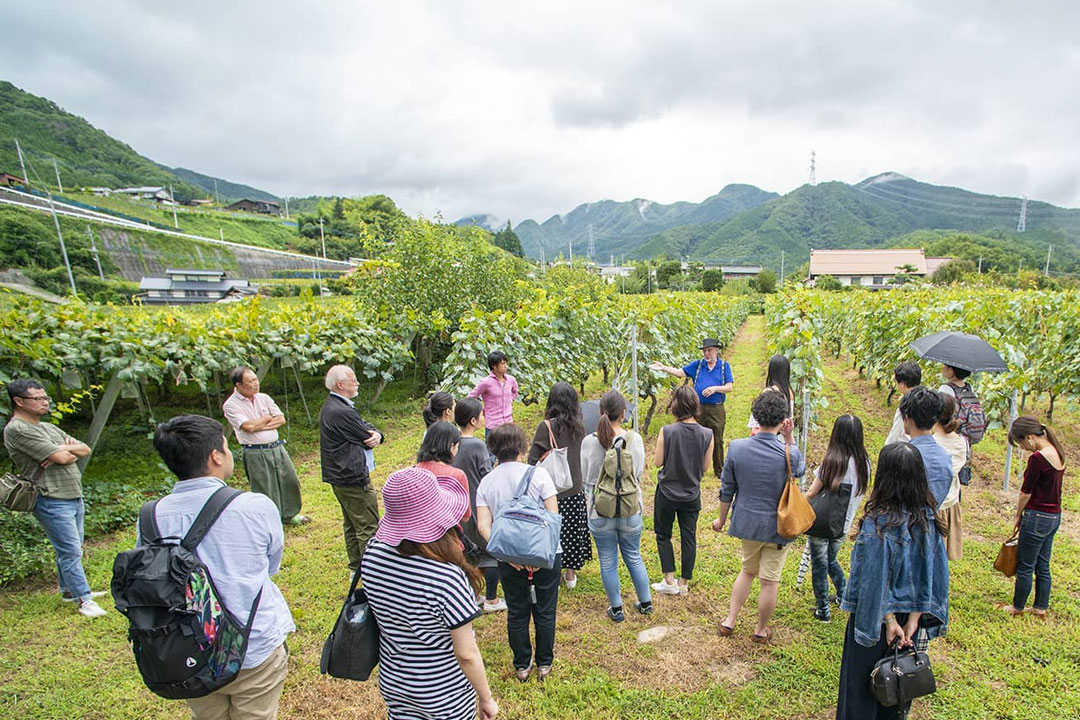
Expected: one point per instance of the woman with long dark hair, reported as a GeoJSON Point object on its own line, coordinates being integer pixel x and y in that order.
{"type": "Point", "coordinates": [845, 463]}
{"type": "Point", "coordinates": [899, 578]}
{"type": "Point", "coordinates": [562, 420]}
{"type": "Point", "coordinates": [1038, 512]}
{"type": "Point", "coordinates": [423, 593]}
{"type": "Point", "coordinates": [778, 377]}
{"type": "Point", "coordinates": [618, 533]}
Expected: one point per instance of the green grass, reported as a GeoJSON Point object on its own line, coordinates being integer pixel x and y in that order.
{"type": "Point", "coordinates": [238, 227]}
{"type": "Point", "coordinates": [55, 664]}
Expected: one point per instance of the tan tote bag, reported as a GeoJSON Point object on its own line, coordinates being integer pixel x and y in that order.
{"type": "Point", "coordinates": [794, 516]}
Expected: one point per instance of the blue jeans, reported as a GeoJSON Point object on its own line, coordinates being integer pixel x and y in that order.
{"type": "Point", "coordinates": [1037, 530]}
{"type": "Point", "coordinates": [613, 535]}
{"type": "Point", "coordinates": [63, 524]}
{"type": "Point", "coordinates": [823, 565]}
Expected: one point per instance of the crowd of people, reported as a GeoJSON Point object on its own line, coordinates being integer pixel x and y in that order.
{"type": "Point", "coordinates": [425, 565]}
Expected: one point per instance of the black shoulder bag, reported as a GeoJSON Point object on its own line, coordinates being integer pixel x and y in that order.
{"type": "Point", "coordinates": [900, 677]}
{"type": "Point", "coordinates": [352, 650]}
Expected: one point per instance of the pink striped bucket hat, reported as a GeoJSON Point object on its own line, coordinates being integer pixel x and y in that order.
{"type": "Point", "coordinates": [418, 506]}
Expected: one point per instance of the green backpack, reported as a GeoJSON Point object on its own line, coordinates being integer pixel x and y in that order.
{"type": "Point", "coordinates": [617, 490]}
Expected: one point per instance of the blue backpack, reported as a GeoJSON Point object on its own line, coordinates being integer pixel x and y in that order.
{"type": "Point", "coordinates": [524, 532]}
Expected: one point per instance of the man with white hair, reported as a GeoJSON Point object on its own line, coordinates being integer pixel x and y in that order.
{"type": "Point", "coordinates": [345, 443]}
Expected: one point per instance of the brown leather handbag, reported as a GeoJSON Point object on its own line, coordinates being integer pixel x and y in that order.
{"type": "Point", "coordinates": [794, 516]}
{"type": "Point", "coordinates": [1006, 557]}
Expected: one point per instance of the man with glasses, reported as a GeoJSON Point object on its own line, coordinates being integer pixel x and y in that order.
{"type": "Point", "coordinates": [345, 448]}
{"type": "Point", "coordinates": [35, 445]}
{"type": "Point", "coordinates": [255, 418]}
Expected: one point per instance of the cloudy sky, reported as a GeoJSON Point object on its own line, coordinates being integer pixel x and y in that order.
{"type": "Point", "coordinates": [459, 107]}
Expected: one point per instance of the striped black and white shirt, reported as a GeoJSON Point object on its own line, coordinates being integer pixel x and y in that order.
{"type": "Point", "coordinates": [417, 602]}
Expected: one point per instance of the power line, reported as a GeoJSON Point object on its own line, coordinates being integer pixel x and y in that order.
{"type": "Point", "coordinates": [878, 191]}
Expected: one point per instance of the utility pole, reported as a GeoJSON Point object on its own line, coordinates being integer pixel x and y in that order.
{"type": "Point", "coordinates": [63, 249]}
{"type": "Point", "coordinates": [286, 208]}
{"type": "Point", "coordinates": [781, 268]}
{"type": "Point", "coordinates": [172, 199]}
{"type": "Point", "coordinates": [322, 236]}
{"type": "Point", "coordinates": [980, 264]}
{"type": "Point", "coordinates": [1046, 271]}
{"type": "Point", "coordinates": [571, 244]}
{"type": "Point", "coordinates": [592, 243]}
{"type": "Point", "coordinates": [94, 252]}
{"type": "Point", "coordinates": [1021, 224]}
{"type": "Point", "coordinates": [813, 167]}
{"type": "Point", "coordinates": [57, 170]}
{"type": "Point", "coordinates": [25, 177]}
{"type": "Point", "coordinates": [216, 196]}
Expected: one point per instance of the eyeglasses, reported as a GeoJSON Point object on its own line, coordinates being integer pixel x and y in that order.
{"type": "Point", "coordinates": [35, 397]}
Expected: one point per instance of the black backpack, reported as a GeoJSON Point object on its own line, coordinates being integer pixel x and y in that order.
{"type": "Point", "coordinates": [186, 642]}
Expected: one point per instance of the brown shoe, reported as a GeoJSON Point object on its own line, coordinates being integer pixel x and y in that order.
{"type": "Point", "coordinates": [762, 639]}
{"type": "Point", "coordinates": [542, 672]}
{"type": "Point", "coordinates": [1008, 609]}
{"type": "Point", "coordinates": [724, 630]}
{"type": "Point", "coordinates": [1041, 614]}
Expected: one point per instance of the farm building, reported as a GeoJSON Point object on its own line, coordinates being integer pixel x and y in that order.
{"type": "Point", "coordinates": [146, 192]}
{"type": "Point", "coordinates": [9, 180]}
{"type": "Point", "coordinates": [256, 206]}
{"type": "Point", "coordinates": [869, 268]}
{"type": "Point", "coordinates": [185, 287]}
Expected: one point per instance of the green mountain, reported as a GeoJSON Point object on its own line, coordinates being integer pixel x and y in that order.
{"type": "Point", "coordinates": [229, 192]}
{"type": "Point", "coordinates": [880, 211]}
{"type": "Point", "coordinates": [619, 227]}
{"type": "Point", "coordinates": [871, 214]}
{"type": "Point", "coordinates": [85, 155]}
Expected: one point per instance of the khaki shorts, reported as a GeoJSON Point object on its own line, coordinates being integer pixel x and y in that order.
{"type": "Point", "coordinates": [764, 559]}
{"type": "Point", "coordinates": [954, 534]}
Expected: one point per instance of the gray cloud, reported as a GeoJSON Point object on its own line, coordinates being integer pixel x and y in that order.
{"type": "Point", "coordinates": [464, 107]}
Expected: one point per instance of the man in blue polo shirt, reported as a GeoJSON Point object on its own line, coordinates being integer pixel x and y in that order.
{"type": "Point", "coordinates": [712, 380]}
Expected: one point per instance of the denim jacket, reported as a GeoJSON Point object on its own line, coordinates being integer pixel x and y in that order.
{"type": "Point", "coordinates": [901, 570]}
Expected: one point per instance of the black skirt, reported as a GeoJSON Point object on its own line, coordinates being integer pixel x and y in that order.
{"type": "Point", "coordinates": [575, 537]}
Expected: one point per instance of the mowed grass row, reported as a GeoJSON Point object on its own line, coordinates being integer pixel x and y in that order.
{"type": "Point", "coordinates": [55, 664]}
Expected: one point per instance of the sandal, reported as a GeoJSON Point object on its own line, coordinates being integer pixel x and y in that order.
{"type": "Point", "coordinates": [725, 631]}
{"type": "Point", "coordinates": [762, 639]}
{"type": "Point", "coordinates": [1008, 609]}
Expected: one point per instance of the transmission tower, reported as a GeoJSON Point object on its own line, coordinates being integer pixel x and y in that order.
{"type": "Point", "coordinates": [592, 243]}
{"type": "Point", "coordinates": [1021, 224]}
{"type": "Point", "coordinates": [813, 167]}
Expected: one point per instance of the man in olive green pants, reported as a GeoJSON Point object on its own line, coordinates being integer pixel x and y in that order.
{"type": "Point", "coordinates": [712, 379]}
{"type": "Point", "coordinates": [714, 417]}
{"type": "Point", "coordinates": [345, 447]}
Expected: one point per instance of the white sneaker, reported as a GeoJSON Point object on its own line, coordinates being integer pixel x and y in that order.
{"type": "Point", "coordinates": [65, 596]}
{"type": "Point", "coordinates": [570, 584]}
{"type": "Point", "coordinates": [91, 609]}
{"type": "Point", "coordinates": [665, 589]}
{"type": "Point", "coordinates": [498, 606]}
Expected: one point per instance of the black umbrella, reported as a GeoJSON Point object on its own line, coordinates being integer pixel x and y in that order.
{"type": "Point", "coordinates": [960, 350]}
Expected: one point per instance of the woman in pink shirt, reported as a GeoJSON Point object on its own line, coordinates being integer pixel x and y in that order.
{"type": "Point", "coordinates": [497, 391]}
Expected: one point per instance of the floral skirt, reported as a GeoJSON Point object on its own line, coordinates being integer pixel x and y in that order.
{"type": "Point", "coordinates": [575, 537]}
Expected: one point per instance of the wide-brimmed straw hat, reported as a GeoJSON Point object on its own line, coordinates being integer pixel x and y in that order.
{"type": "Point", "coordinates": [420, 507]}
